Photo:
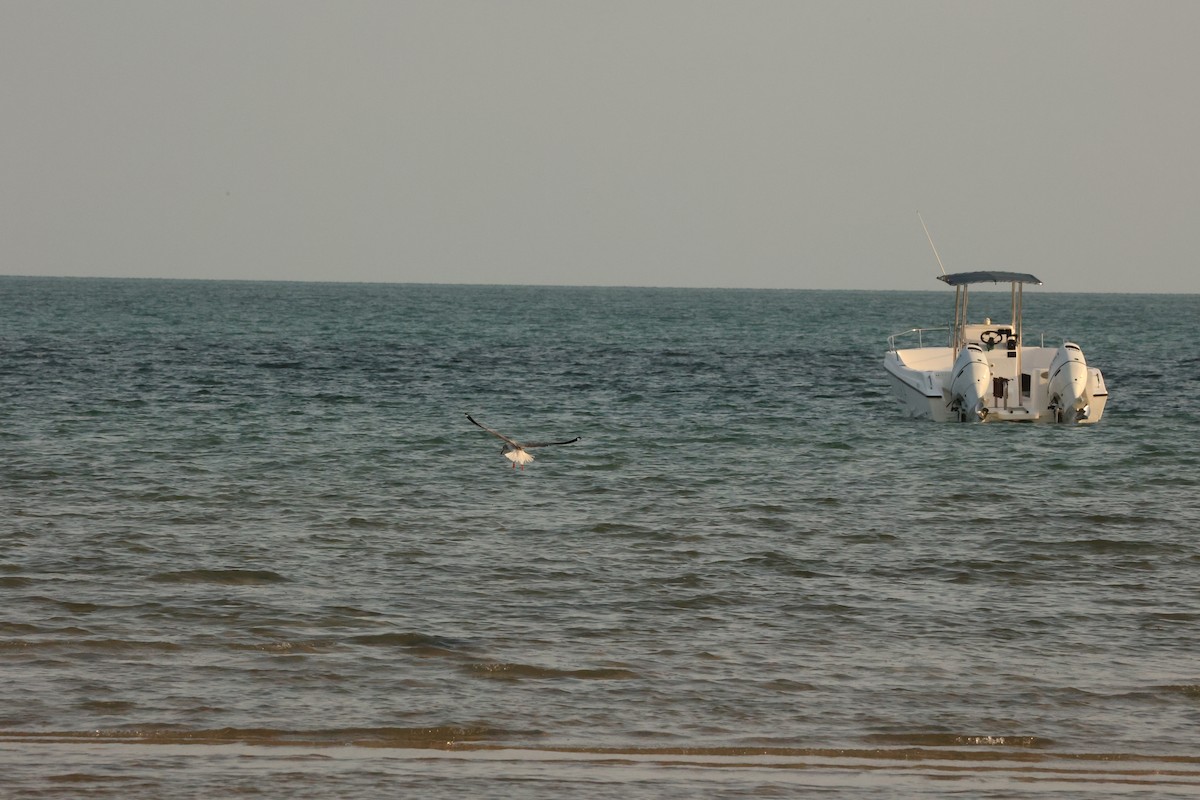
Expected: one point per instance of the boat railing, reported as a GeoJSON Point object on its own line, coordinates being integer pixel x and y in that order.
{"type": "Point", "coordinates": [919, 333]}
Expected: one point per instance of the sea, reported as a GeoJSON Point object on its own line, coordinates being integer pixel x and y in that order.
{"type": "Point", "coordinates": [250, 545]}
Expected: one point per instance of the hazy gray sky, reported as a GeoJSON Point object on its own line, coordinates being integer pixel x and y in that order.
{"type": "Point", "coordinates": [669, 143]}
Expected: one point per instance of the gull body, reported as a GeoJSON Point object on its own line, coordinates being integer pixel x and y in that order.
{"type": "Point", "coordinates": [513, 450]}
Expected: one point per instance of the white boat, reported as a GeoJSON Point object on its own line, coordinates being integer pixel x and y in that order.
{"type": "Point", "coordinates": [986, 373]}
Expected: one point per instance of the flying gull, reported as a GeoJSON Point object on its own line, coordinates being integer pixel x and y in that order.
{"type": "Point", "coordinates": [513, 450]}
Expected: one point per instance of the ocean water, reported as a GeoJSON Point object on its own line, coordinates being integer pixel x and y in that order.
{"type": "Point", "coordinates": [250, 544]}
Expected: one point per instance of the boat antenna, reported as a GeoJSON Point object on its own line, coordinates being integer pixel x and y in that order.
{"type": "Point", "coordinates": [931, 244]}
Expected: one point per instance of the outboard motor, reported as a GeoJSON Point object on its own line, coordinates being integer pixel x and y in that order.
{"type": "Point", "coordinates": [1068, 384]}
{"type": "Point", "coordinates": [970, 384]}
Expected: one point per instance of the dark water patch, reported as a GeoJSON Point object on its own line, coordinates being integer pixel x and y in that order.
{"type": "Point", "coordinates": [33, 474]}
{"type": "Point", "coordinates": [829, 501]}
{"type": "Point", "coordinates": [127, 646]}
{"type": "Point", "coordinates": [1003, 573]}
{"type": "Point", "coordinates": [55, 629]}
{"type": "Point", "coordinates": [164, 496]}
{"type": "Point", "coordinates": [417, 644]}
{"type": "Point", "coordinates": [1174, 616]}
{"type": "Point", "coordinates": [618, 528]}
{"type": "Point", "coordinates": [1118, 547]}
{"type": "Point", "coordinates": [288, 647]}
{"type": "Point", "coordinates": [366, 523]}
{"type": "Point", "coordinates": [224, 577]}
{"type": "Point", "coordinates": [781, 564]}
{"type": "Point", "coordinates": [506, 671]}
{"type": "Point", "coordinates": [16, 645]}
{"type": "Point", "coordinates": [787, 686]}
{"type": "Point", "coordinates": [77, 608]}
{"type": "Point", "coordinates": [699, 602]}
{"type": "Point", "coordinates": [960, 501]}
{"type": "Point", "coordinates": [334, 398]}
{"type": "Point", "coordinates": [1134, 521]}
{"type": "Point", "coordinates": [93, 777]}
{"type": "Point", "coordinates": [440, 736]}
{"type": "Point", "coordinates": [869, 537]}
{"type": "Point", "coordinates": [108, 706]}
{"type": "Point", "coordinates": [778, 524]}
{"type": "Point", "coordinates": [688, 580]}
{"type": "Point", "coordinates": [76, 647]}
{"type": "Point", "coordinates": [14, 582]}
{"type": "Point", "coordinates": [354, 612]}
{"type": "Point", "coordinates": [196, 518]}
{"type": "Point", "coordinates": [1183, 479]}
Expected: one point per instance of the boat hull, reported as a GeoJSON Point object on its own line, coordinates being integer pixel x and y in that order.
{"type": "Point", "coordinates": [919, 391]}
{"type": "Point", "coordinates": [923, 382]}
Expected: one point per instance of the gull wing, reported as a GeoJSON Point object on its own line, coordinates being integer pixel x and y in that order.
{"type": "Point", "coordinates": [498, 434]}
{"type": "Point", "coordinates": [548, 444]}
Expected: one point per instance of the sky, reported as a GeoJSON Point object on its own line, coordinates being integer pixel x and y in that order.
{"type": "Point", "coordinates": [635, 143]}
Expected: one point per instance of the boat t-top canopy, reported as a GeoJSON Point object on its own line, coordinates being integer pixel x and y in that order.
{"type": "Point", "coordinates": [961, 281]}
{"type": "Point", "coordinates": [987, 276]}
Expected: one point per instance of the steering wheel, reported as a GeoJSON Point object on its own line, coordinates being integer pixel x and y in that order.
{"type": "Point", "coordinates": [991, 337]}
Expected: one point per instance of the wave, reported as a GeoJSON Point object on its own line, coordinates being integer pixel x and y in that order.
{"type": "Point", "coordinates": [435, 736]}
{"type": "Point", "coordinates": [1029, 752]}
{"type": "Point", "coordinates": [958, 740]}
{"type": "Point", "coordinates": [515, 671]}
{"type": "Point", "coordinates": [90, 645]}
{"type": "Point", "coordinates": [419, 644]}
{"type": "Point", "coordinates": [226, 577]}
{"type": "Point", "coordinates": [280, 365]}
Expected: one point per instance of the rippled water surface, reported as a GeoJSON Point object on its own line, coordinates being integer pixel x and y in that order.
{"type": "Point", "coordinates": [248, 540]}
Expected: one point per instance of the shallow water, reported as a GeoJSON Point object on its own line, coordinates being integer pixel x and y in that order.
{"type": "Point", "coordinates": [247, 533]}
